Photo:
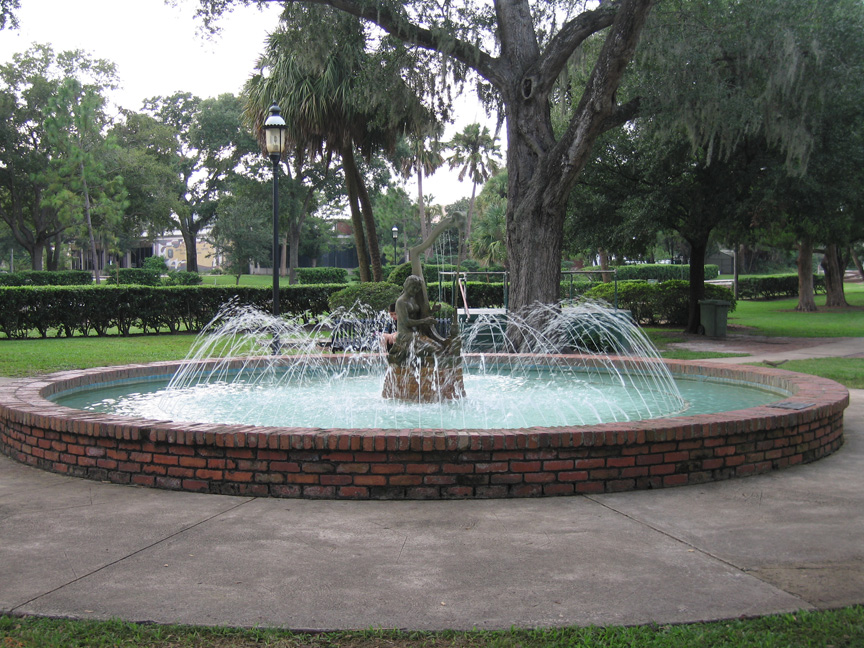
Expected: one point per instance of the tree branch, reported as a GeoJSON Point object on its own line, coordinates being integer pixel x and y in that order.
{"type": "Point", "coordinates": [622, 114]}
{"type": "Point", "coordinates": [565, 42]}
{"type": "Point", "coordinates": [402, 28]}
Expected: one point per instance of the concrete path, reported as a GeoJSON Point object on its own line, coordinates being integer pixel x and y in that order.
{"type": "Point", "coordinates": [766, 544]}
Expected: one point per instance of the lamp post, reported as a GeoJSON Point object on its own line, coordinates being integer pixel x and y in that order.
{"type": "Point", "coordinates": [274, 138]}
{"type": "Point", "coordinates": [395, 236]}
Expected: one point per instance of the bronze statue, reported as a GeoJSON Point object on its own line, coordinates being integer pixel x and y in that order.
{"type": "Point", "coordinates": [424, 365]}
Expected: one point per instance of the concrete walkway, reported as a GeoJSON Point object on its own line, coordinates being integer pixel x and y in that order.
{"type": "Point", "coordinates": [772, 543]}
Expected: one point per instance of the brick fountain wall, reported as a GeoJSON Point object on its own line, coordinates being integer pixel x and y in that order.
{"type": "Point", "coordinates": [421, 464]}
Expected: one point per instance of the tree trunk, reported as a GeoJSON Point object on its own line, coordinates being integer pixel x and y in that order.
{"type": "Point", "coordinates": [371, 231]}
{"type": "Point", "coordinates": [421, 211]}
{"type": "Point", "coordinates": [834, 271]}
{"type": "Point", "coordinates": [89, 221]}
{"type": "Point", "coordinates": [464, 245]}
{"type": "Point", "coordinates": [293, 251]}
{"type": "Point", "coordinates": [806, 302]}
{"type": "Point", "coordinates": [605, 277]}
{"type": "Point", "coordinates": [541, 171]}
{"type": "Point", "coordinates": [190, 240]}
{"type": "Point", "coordinates": [698, 250]}
{"type": "Point", "coordinates": [356, 218]}
{"type": "Point", "coordinates": [857, 262]}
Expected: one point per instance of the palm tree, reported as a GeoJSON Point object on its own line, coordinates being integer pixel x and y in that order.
{"type": "Point", "coordinates": [421, 159]}
{"type": "Point", "coordinates": [325, 82]}
{"type": "Point", "coordinates": [474, 150]}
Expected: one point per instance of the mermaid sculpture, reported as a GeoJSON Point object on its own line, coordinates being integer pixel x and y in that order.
{"type": "Point", "coordinates": [424, 366]}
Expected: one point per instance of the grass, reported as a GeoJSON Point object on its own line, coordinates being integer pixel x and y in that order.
{"type": "Point", "coordinates": [780, 319]}
{"type": "Point", "coordinates": [842, 628]}
{"type": "Point", "coordinates": [847, 371]}
{"type": "Point", "coordinates": [29, 357]}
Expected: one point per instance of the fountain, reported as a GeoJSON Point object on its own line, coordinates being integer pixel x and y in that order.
{"type": "Point", "coordinates": [591, 409]}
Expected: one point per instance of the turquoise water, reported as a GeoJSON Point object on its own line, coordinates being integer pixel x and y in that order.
{"type": "Point", "coordinates": [509, 399]}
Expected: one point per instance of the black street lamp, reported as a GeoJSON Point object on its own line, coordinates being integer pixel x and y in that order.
{"type": "Point", "coordinates": [395, 236]}
{"type": "Point", "coordinates": [274, 138]}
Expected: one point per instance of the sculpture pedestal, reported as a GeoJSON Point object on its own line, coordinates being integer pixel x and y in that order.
{"type": "Point", "coordinates": [424, 384]}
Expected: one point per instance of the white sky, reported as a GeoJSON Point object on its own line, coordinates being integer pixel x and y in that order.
{"type": "Point", "coordinates": [158, 50]}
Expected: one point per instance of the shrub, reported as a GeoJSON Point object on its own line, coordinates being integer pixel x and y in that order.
{"type": "Point", "coordinates": [775, 286]}
{"type": "Point", "coordinates": [666, 302]}
{"type": "Point", "coordinates": [137, 276]}
{"type": "Point", "coordinates": [181, 278]}
{"type": "Point", "coordinates": [47, 278]}
{"type": "Point", "coordinates": [377, 296]}
{"type": "Point", "coordinates": [430, 273]}
{"type": "Point", "coordinates": [83, 310]}
{"type": "Point", "coordinates": [663, 271]}
{"type": "Point", "coordinates": [156, 263]}
{"type": "Point", "coordinates": [323, 275]}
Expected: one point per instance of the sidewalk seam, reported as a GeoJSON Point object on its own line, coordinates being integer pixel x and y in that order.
{"type": "Point", "coordinates": [13, 609]}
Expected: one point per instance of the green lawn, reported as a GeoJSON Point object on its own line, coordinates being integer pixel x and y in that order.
{"type": "Point", "coordinates": [37, 356]}
{"type": "Point", "coordinates": [836, 629]}
{"type": "Point", "coordinates": [780, 319]}
{"type": "Point", "coordinates": [847, 371]}
{"type": "Point", "coordinates": [245, 280]}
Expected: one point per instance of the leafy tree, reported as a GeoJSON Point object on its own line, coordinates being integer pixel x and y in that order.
{"type": "Point", "coordinates": [474, 153]}
{"type": "Point", "coordinates": [488, 245]}
{"type": "Point", "coordinates": [243, 231]}
{"type": "Point", "coordinates": [79, 185]}
{"type": "Point", "coordinates": [146, 159]}
{"type": "Point", "coordinates": [774, 74]}
{"type": "Point", "coordinates": [29, 86]}
{"type": "Point", "coordinates": [7, 13]}
{"type": "Point", "coordinates": [210, 143]}
{"type": "Point", "coordinates": [420, 154]}
{"type": "Point", "coordinates": [516, 51]}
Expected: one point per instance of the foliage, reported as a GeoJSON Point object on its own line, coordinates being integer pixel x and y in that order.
{"type": "Point", "coordinates": [49, 97]}
{"type": "Point", "coordinates": [339, 98]}
{"type": "Point", "coordinates": [662, 271]}
{"type": "Point", "coordinates": [134, 276]}
{"type": "Point", "coordinates": [488, 242]}
{"type": "Point", "coordinates": [85, 310]}
{"type": "Point", "coordinates": [514, 52]}
{"type": "Point", "coordinates": [774, 286]}
{"type": "Point", "coordinates": [210, 146]}
{"type": "Point", "coordinates": [322, 275]}
{"type": "Point", "coordinates": [430, 273]}
{"type": "Point", "coordinates": [46, 278]}
{"type": "Point", "coordinates": [475, 153]}
{"type": "Point", "coordinates": [377, 296]}
{"type": "Point", "coordinates": [181, 278]}
{"type": "Point", "coordinates": [156, 263]}
{"type": "Point", "coordinates": [666, 302]}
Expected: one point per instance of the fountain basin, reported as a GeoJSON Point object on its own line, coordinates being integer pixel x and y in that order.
{"type": "Point", "coordinates": [422, 463]}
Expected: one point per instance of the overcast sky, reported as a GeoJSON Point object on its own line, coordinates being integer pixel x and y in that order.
{"type": "Point", "coordinates": [158, 50]}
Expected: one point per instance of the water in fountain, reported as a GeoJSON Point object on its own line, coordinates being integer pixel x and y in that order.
{"type": "Point", "coordinates": [306, 386]}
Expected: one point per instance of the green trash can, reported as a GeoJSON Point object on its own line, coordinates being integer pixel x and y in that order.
{"type": "Point", "coordinates": [713, 314]}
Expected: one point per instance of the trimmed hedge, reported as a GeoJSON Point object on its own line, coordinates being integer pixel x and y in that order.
{"type": "Point", "coordinates": [430, 273]}
{"type": "Point", "coordinates": [134, 276]}
{"type": "Point", "coordinates": [377, 296]}
{"type": "Point", "coordinates": [663, 271]}
{"type": "Point", "coordinates": [775, 286]}
{"type": "Point", "coordinates": [323, 275]}
{"type": "Point", "coordinates": [46, 278]}
{"type": "Point", "coordinates": [666, 302]}
{"type": "Point", "coordinates": [85, 310]}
